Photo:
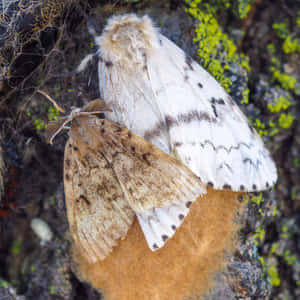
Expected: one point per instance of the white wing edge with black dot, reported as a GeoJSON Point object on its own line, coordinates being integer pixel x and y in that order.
{"type": "Point", "coordinates": [160, 224]}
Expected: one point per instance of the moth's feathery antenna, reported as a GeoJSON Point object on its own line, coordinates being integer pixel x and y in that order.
{"type": "Point", "coordinates": [52, 101]}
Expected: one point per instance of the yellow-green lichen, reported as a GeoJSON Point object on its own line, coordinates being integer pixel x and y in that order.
{"type": "Point", "coordinates": [260, 127]}
{"type": "Point", "coordinates": [53, 113]}
{"type": "Point", "coordinates": [33, 269]}
{"type": "Point", "coordinates": [39, 124]}
{"type": "Point", "coordinates": [281, 29]}
{"type": "Point", "coordinates": [245, 95]}
{"type": "Point", "coordinates": [244, 7]}
{"type": "Point", "coordinates": [52, 290]}
{"type": "Point", "coordinates": [273, 275]}
{"type": "Point", "coordinates": [288, 258]}
{"type": "Point", "coordinates": [286, 81]}
{"type": "Point", "coordinates": [259, 235]}
{"type": "Point", "coordinates": [16, 246]}
{"type": "Point", "coordinates": [274, 248]}
{"type": "Point", "coordinates": [285, 231]}
{"type": "Point", "coordinates": [3, 283]}
{"type": "Point", "coordinates": [291, 45]}
{"type": "Point", "coordinates": [298, 19]}
{"type": "Point", "coordinates": [286, 120]}
{"type": "Point", "coordinates": [258, 199]}
{"type": "Point", "coordinates": [282, 103]}
{"type": "Point", "coordinates": [216, 51]}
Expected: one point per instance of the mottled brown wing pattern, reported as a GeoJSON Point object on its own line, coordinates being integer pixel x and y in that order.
{"type": "Point", "coordinates": [98, 214]}
{"type": "Point", "coordinates": [149, 177]}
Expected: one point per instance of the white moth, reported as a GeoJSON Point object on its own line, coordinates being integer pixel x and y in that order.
{"type": "Point", "coordinates": [161, 94]}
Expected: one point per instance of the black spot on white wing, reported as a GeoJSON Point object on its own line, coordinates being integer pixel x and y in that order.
{"type": "Point", "coordinates": [181, 217]}
{"type": "Point", "coordinates": [254, 187]}
{"type": "Point", "coordinates": [210, 184]}
{"type": "Point", "coordinates": [242, 187]}
{"type": "Point", "coordinates": [154, 246]}
{"type": "Point", "coordinates": [267, 184]}
{"type": "Point", "coordinates": [227, 186]}
{"type": "Point", "coordinates": [164, 237]}
{"type": "Point", "coordinates": [173, 227]}
{"type": "Point", "coordinates": [188, 204]}
{"type": "Point", "coordinates": [200, 85]}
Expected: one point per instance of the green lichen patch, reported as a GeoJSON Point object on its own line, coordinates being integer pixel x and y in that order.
{"type": "Point", "coordinates": [215, 49]}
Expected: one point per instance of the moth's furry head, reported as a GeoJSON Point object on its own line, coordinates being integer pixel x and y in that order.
{"type": "Point", "coordinates": [127, 39]}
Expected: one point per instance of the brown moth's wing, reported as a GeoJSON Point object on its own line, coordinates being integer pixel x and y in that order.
{"type": "Point", "coordinates": [149, 177]}
{"type": "Point", "coordinates": [159, 188]}
{"type": "Point", "coordinates": [96, 105]}
{"type": "Point", "coordinates": [97, 212]}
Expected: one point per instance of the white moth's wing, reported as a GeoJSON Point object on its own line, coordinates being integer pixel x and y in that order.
{"type": "Point", "coordinates": [159, 188]}
{"type": "Point", "coordinates": [159, 224]}
{"type": "Point", "coordinates": [207, 130]}
{"type": "Point", "coordinates": [176, 105]}
{"type": "Point", "coordinates": [132, 100]}
{"type": "Point", "coordinates": [98, 214]}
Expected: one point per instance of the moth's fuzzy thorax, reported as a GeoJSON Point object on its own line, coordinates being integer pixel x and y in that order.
{"type": "Point", "coordinates": [127, 39]}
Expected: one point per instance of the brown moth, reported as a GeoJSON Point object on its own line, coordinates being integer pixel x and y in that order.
{"type": "Point", "coordinates": [111, 175]}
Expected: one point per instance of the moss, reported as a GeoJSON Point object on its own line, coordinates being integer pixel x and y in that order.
{"type": "Point", "coordinates": [286, 120]}
{"type": "Point", "coordinates": [273, 275]}
{"type": "Point", "coordinates": [216, 51]}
